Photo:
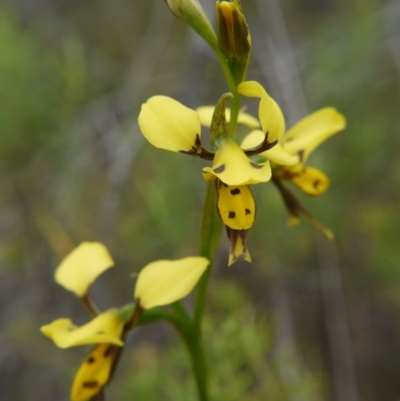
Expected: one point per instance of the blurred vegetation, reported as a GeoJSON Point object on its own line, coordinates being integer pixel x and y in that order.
{"type": "Point", "coordinates": [308, 319]}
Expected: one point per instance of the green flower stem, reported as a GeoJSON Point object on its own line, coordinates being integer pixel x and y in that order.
{"type": "Point", "coordinates": [181, 312]}
{"type": "Point", "coordinates": [226, 70]}
{"type": "Point", "coordinates": [209, 238]}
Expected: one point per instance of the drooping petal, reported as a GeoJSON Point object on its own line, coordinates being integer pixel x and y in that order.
{"type": "Point", "coordinates": [168, 124]}
{"type": "Point", "coordinates": [104, 328]}
{"type": "Point", "coordinates": [236, 206]}
{"type": "Point", "coordinates": [206, 113]}
{"type": "Point", "coordinates": [80, 268]}
{"type": "Point", "coordinates": [234, 168]}
{"type": "Point", "coordinates": [312, 130]}
{"type": "Point", "coordinates": [237, 239]}
{"type": "Point", "coordinates": [95, 372]}
{"type": "Point", "coordinates": [277, 154]}
{"type": "Point", "coordinates": [295, 209]}
{"type": "Point", "coordinates": [310, 180]}
{"type": "Point", "coordinates": [166, 281]}
{"type": "Point", "coordinates": [271, 117]}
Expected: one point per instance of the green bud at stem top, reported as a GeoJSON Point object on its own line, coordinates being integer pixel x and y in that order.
{"type": "Point", "coordinates": [192, 13]}
{"type": "Point", "coordinates": [233, 34]}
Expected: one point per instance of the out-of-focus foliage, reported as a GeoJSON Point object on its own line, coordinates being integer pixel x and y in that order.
{"type": "Point", "coordinates": [243, 363]}
{"type": "Point", "coordinates": [40, 89]}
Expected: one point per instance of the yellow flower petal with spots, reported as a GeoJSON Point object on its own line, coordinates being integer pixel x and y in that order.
{"type": "Point", "coordinates": [166, 281]}
{"type": "Point", "coordinates": [206, 113]}
{"type": "Point", "coordinates": [236, 206]}
{"type": "Point", "coordinates": [168, 124]}
{"type": "Point", "coordinates": [270, 114]}
{"type": "Point", "coordinates": [312, 130]}
{"type": "Point", "coordinates": [104, 328]}
{"type": "Point", "coordinates": [278, 154]}
{"type": "Point", "coordinates": [95, 372]}
{"type": "Point", "coordinates": [233, 167]}
{"type": "Point", "coordinates": [311, 181]}
{"type": "Point", "coordinates": [79, 269]}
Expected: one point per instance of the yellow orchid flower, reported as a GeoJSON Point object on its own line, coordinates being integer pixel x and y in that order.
{"type": "Point", "coordinates": [106, 330]}
{"type": "Point", "coordinates": [166, 281]}
{"type": "Point", "coordinates": [159, 283]}
{"type": "Point", "coordinates": [289, 156]}
{"type": "Point", "coordinates": [236, 205]}
{"type": "Point", "coordinates": [80, 268]}
{"type": "Point", "coordinates": [168, 124]}
{"type": "Point", "coordinates": [294, 148]}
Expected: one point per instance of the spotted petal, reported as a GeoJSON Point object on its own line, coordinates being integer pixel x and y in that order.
{"type": "Point", "coordinates": [271, 117]}
{"type": "Point", "coordinates": [233, 167]}
{"type": "Point", "coordinates": [168, 124]}
{"type": "Point", "coordinates": [104, 328]}
{"type": "Point", "coordinates": [80, 268]}
{"type": "Point", "coordinates": [166, 281]}
{"type": "Point", "coordinates": [95, 372]}
{"type": "Point", "coordinates": [310, 180]}
{"type": "Point", "coordinates": [206, 113]}
{"type": "Point", "coordinates": [236, 206]}
{"type": "Point", "coordinates": [312, 130]}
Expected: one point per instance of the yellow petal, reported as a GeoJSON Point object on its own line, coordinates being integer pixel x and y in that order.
{"type": "Point", "coordinates": [271, 117]}
{"type": "Point", "coordinates": [310, 180]}
{"type": "Point", "coordinates": [95, 372]}
{"type": "Point", "coordinates": [277, 154]}
{"type": "Point", "coordinates": [236, 206]}
{"type": "Point", "coordinates": [234, 168]}
{"type": "Point", "coordinates": [209, 177]}
{"type": "Point", "coordinates": [80, 268]}
{"type": "Point", "coordinates": [312, 130]}
{"type": "Point", "coordinates": [166, 281]}
{"type": "Point", "coordinates": [206, 113]}
{"type": "Point", "coordinates": [104, 328]}
{"type": "Point", "coordinates": [168, 124]}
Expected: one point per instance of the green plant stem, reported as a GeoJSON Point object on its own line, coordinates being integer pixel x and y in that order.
{"type": "Point", "coordinates": [226, 70]}
{"type": "Point", "coordinates": [209, 238]}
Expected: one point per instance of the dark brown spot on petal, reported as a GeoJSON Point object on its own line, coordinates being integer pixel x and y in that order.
{"type": "Point", "coordinates": [231, 215]}
{"type": "Point", "coordinates": [198, 151]}
{"type": "Point", "coordinates": [247, 211]}
{"type": "Point", "coordinates": [301, 155]}
{"type": "Point", "coordinates": [316, 184]}
{"type": "Point", "coordinates": [90, 360]}
{"type": "Point", "coordinates": [100, 332]}
{"type": "Point", "coordinates": [91, 384]}
{"type": "Point", "coordinates": [220, 169]}
{"type": "Point", "coordinates": [197, 141]}
{"type": "Point", "coordinates": [263, 146]}
{"type": "Point", "coordinates": [109, 350]}
{"type": "Point", "coordinates": [255, 165]}
{"type": "Point", "coordinates": [235, 191]}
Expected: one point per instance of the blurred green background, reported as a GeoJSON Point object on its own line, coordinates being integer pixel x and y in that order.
{"type": "Point", "coordinates": [309, 319]}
